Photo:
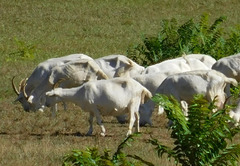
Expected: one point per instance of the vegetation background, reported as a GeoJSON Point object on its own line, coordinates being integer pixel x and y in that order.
{"type": "Point", "coordinates": [32, 31]}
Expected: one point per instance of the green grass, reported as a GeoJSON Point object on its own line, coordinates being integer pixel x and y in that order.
{"type": "Point", "coordinates": [93, 27]}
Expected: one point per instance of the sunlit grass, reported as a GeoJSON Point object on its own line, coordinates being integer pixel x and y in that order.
{"type": "Point", "coordinates": [93, 27]}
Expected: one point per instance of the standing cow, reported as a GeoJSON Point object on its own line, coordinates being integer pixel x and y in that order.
{"type": "Point", "coordinates": [183, 86]}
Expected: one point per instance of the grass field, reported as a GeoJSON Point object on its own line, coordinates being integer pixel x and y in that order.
{"type": "Point", "coordinates": [93, 27]}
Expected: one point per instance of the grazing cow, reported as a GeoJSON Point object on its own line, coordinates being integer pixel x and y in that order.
{"type": "Point", "coordinates": [74, 73]}
{"type": "Point", "coordinates": [183, 86]}
{"type": "Point", "coordinates": [152, 80]}
{"type": "Point", "coordinates": [178, 65]}
{"type": "Point", "coordinates": [41, 72]}
{"type": "Point", "coordinates": [112, 97]}
{"type": "Point", "coordinates": [229, 66]}
{"type": "Point", "coordinates": [155, 74]}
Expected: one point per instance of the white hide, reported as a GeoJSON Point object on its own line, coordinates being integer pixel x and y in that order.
{"type": "Point", "coordinates": [116, 65]}
{"type": "Point", "coordinates": [152, 80]}
{"type": "Point", "coordinates": [178, 65]}
{"type": "Point", "coordinates": [40, 73]}
{"type": "Point", "coordinates": [74, 73]}
{"type": "Point", "coordinates": [229, 66]}
{"type": "Point", "coordinates": [205, 59]}
{"type": "Point", "coordinates": [112, 97]}
{"type": "Point", "coordinates": [183, 86]}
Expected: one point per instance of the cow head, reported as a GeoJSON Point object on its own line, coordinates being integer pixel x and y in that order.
{"type": "Point", "coordinates": [145, 115]}
{"type": "Point", "coordinates": [22, 96]}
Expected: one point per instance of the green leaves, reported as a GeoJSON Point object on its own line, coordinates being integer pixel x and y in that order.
{"type": "Point", "coordinates": [91, 156]}
{"type": "Point", "coordinates": [173, 111]}
{"type": "Point", "coordinates": [174, 40]}
{"type": "Point", "coordinates": [202, 139]}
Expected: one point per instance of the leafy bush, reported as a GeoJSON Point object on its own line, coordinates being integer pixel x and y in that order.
{"type": "Point", "coordinates": [201, 140]}
{"type": "Point", "coordinates": [91, 157]}
{"type": "Point", "coordinates": [191, 37]}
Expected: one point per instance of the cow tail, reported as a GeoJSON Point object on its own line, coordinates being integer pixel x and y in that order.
{"type": "Point", "coordinates": [146, 94]}
{"type": "Point", "coordinates": [231, 81]}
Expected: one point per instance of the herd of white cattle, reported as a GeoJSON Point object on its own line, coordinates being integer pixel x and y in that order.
{"type": "Point", "coordinates": [115, 85]}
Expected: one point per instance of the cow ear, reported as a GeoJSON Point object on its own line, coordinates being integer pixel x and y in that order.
{"type": "Point", "coordinates": [51, 79]}
{"type": "Point", "coordinates": [30, 99]}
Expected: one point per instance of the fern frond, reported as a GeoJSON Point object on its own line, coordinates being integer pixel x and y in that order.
{"type": "Point", "coordinates": [217, 23]}
{"type": "Point", "coordinates": [204, 23]}
{"type": "Point", "coordinates": [228, 156]}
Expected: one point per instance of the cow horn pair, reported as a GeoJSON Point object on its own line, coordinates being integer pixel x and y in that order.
{"type": "Point", "coordinates": [21, 88]}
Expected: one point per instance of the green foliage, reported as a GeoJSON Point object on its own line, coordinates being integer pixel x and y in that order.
{"type": "Point", "coordinates": [201, 139]}
{"type": "Point", "coordinates": [191, 37]}
{"type": "Point", "coordinates": [24, 51]}
{"type": "Point", "coordinates": [91, 157]}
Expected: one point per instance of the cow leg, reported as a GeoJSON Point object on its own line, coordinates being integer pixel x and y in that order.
{"type": "Point", "coordinates": [131, 122]}
{"type": "Point", "coordinates": [137, 122]}
{"type": "Point", "coordinates": [90, 120]}
{"type": "Point", "coordinates": [99, 122]}
{"type": "Point", "coordinates": [133, 109]}
{"type": "Point", "coordinates": [65, 106]}
{"type": "Point", "coordinates": [53, 110]}
{"type": "Point", "coordinates": [184, 106]}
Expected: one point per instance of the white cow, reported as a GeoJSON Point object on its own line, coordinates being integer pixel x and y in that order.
{"type": "Point", "coordinates": [178, 65]}
{"type": "Point", "coordinates": [112, 97]}
{"type": "Point", "coordinates": [155, 74]}
{"type": "Point", "coordinates": [229, 66]}
{"type": "Point", "coordinates": [152, 80]}
{"type": "Point", "coordinates": [190, 62]}
{"type": "Point", "coordinates": [205, 59]}
{"type": "Point", "coordinates": [74, 73]}
{"type": "Point", "coordinates": [119, 65]}
{"type": "Point", "coordinates": [41, 72]}
{"type": "Point", "coordinates": [183, 86]}
{"type": "Point", "coordinates": [116, 65]}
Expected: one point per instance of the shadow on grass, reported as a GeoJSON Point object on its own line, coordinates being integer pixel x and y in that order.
{"type": "Point", "coordinates": [55, 134]}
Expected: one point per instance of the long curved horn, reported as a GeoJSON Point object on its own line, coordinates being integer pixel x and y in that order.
{"type": "Point", "coordinates": [23, 85]}
{"type": "Point", "coordinates": [14, 87]}
{"type": "Point", "coordinates": [24, 92]}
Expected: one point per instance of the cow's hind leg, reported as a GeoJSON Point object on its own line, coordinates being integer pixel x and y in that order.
{"type": "Point", "coordinates": [90, 120]}
{"type": "Point", "coordinates": [99, 122]}
{"type": "Point", "coordinates": [134, 115]}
